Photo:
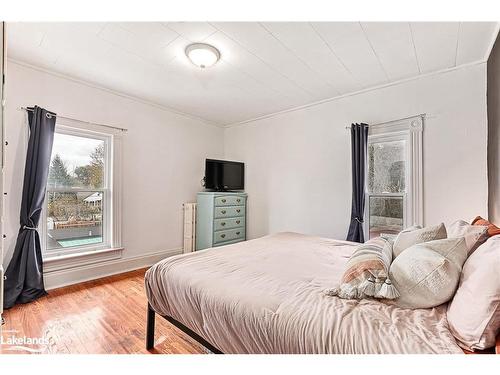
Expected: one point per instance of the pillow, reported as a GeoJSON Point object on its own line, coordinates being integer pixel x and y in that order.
{"type": "Point", "coordinates": [493, 230]}
{"type": "Point", "coordinates": [474, 235]}
{"type": "Point", "coordinates": [427, 274]}
{"type": "Point", "coordinates": [392, 237]}
{"type": "Point", "coordinates": [412, 236]}
{"type": "Point", "coordinates": [474, 312]}
{"type": "Point", "coordinates": [389, 237]}
{"type": "Point", "coordinates": [366, 272]}
{"type": "Point", "coordinates": [412, 228]}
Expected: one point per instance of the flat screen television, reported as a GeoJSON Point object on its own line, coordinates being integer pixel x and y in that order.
{"type": "Point", "coordinates": [224, 175]}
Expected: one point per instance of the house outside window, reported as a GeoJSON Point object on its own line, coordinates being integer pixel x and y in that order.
{"type": "Point", "coordinates": [394, 177]}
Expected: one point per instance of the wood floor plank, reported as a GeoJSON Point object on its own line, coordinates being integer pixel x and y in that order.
{"type": "Point", "coordinates": [105, 316]}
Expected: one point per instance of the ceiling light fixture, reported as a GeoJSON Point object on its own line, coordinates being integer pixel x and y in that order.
{"type": "Point", "coordinates": [202, 55]}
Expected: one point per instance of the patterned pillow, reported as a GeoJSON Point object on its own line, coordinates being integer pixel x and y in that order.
{"type": "Point", "coordinates": [409, 237]}
{"type": "Point", "coordinates": [474, 235]}
{"type": "Point", "coordinates": [367, 272]}
{"type": "Point", "coordinates": [427, 274]}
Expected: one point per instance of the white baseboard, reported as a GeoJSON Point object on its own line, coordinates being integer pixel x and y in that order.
{"type": "Point", "coordinates": [59, 278]}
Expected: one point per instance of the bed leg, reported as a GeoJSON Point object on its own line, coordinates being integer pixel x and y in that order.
{"type": "Point", "coordinates": [150, 330]}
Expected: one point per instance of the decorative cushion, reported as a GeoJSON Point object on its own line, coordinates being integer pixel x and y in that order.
{"type": "Point", "coordinates": [412, 228]}
{"type": "Point", "coordinates": [474, 235]}
{"type": "Point", "coordinates": [427, 274]}
{"type": "Point", "coordinates": [493, 230]}
{"type": "Point", "coordinates": [474, 312]}
{"type": "Point", "coordinates": [415, 235]}
{"type": "Point", "coordinates": [389, 237]}
{"type": "Point", "coordinates": [392, 237]}
{"type": "Point", "coordinates": [366, 272]}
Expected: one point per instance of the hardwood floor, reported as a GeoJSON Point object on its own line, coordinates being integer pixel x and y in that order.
{"type": "Point", "coordinates": [101, 316]}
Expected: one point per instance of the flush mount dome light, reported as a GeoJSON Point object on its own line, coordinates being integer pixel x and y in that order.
{"type": "Point", "coordinates": [202, 55]}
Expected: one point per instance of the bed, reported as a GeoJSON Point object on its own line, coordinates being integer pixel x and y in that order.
{"type": "Point", "coordinates": [268, 296]}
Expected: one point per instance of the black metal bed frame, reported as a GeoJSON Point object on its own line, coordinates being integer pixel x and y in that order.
{"type": "Point", "coordinates": [150, 332]}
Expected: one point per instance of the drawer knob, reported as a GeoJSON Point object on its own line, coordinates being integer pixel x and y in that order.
{"type": "Point", "coordinates": [223, 201]}
{"type": "Point", "coordinates": [223, 212]}
{"type": "Point", "coordinates": [223, 235]}
{"type": "Point", "coordinates": [238, 233]}
{"type": "Point", "coordinates": [222, 224]}
{"type": "Point", "coordinates": [237, 221]}
{"type": "Point", "coordinates": [238, 200]}
{"type": "Point", "coordinates": [238, 210]}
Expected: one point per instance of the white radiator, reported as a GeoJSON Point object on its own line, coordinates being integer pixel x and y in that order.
{"type": "Point", "coordinates": [189, 227]}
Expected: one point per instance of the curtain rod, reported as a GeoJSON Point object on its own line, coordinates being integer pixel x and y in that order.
{"type": "Point", "coordinates": [86, 122]}
{"type": "Point", "coordinates": [399, 119]}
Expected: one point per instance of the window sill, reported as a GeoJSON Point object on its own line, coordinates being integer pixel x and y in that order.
{"type": "Point", "coordinates": [62, 262]}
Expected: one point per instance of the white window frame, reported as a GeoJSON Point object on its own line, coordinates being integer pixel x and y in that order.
{"type": "Point", "coordinates": [409, 130]}
{"type": "Point", "coordinates": [110, 248]}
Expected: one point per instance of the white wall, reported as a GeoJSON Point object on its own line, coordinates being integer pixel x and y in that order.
{"type": "Point", "coordinates": [298, 163]}
{"type": "Point", "coordinates": [163, 155]}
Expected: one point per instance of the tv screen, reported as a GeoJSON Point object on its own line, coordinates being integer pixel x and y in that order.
{"type": "Point", "coordinates": [224, 175]}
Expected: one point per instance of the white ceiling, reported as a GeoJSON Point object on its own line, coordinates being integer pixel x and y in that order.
{"type": "Point", "coordinates": [264, 67]}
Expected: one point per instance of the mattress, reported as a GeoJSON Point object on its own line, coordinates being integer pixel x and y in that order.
{"type": "Point", "coordinates": [268, 296]}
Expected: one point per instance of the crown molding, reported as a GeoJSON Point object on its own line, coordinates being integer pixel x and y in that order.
{"type": "Point", "coordinates": [114, 92]}
{"type": "Point", "coordinates": [263, 117]}
{"type": "Point", "coordinates": [354, 93]}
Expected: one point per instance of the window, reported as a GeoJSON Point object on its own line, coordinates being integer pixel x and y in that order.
{"type": "Point", "coordinates": [386, 186]}
{"type": "Point", "coordinates": [79, 199]}
{"type": "Point", "coordinates": [394, 176]}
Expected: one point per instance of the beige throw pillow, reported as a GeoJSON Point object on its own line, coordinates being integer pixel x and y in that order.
{"type": "Point", "coordinates": [366, 272]}
{"type": "Point", "coordinates": [427, 274]}
{"type": "Point", "coordinates": [474, 235]}
{"type": "Point", "coordinates": [412, 236]}
{"type": "Point", "coordinates": [474, 312]}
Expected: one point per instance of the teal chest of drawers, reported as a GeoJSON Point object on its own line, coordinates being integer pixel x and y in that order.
{"type": "Point", "coordinates": [220, 219]}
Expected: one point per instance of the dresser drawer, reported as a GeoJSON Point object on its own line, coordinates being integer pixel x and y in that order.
{"type": "Point", "coordinates": [229, 223]}
{"type": "Point", "coordinates": [229, 200]}
{"type": "Point", "coordinates": [229, 211]}
{"type": "Point", "coordinates": [220, 218]}
{"type": "Point", "coordinates": [229, 235]}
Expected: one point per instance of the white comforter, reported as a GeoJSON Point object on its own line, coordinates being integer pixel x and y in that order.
{"type": "Point", "coordinates": [267, 296]}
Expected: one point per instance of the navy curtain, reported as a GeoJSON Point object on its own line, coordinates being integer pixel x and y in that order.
{"type": "Point", "coordinates": [24, 275]}
{"type": "Point", "coordinates": [359, 143]}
